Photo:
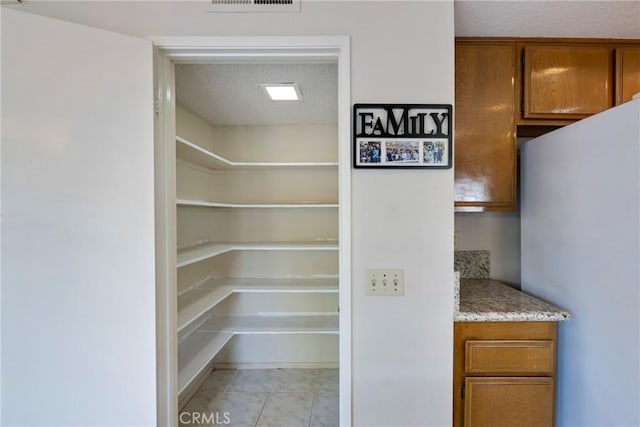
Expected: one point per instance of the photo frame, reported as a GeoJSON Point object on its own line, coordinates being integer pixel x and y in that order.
{"type": "Point", "coordinates": [402, 136]}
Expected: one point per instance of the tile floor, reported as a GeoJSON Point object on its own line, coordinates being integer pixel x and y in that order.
{"type": "Point", "coordinates": [266, 397]}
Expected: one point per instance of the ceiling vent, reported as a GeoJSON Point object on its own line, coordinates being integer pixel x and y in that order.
{"type": "Point", "coordinates": [255, 6]}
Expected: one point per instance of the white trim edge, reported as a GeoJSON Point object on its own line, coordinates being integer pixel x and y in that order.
{"type": "Point", "coordinates": [239, 49]}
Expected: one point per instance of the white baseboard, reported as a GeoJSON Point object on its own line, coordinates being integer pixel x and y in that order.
{"type": "Point", "coordinates": [195, 385]}
{"type": "Point", "coordinates": [330, 365]}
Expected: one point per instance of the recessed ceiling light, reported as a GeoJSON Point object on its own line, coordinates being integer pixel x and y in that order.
{"type": "Point", "coordinates": [282, 91]}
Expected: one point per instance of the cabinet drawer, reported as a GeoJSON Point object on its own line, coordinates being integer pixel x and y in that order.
{"type": "Point", "coordinates": [512, 357]}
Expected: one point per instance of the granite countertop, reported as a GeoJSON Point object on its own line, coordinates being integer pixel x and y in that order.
{"type": "Point", "coordinates": [486, 300]}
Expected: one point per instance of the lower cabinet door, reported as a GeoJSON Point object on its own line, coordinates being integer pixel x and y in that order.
{"type": "Point", "coordinates": [508, 402]}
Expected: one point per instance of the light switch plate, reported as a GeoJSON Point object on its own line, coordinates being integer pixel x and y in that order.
{"type": "Point", "coordinates": [384, 282]}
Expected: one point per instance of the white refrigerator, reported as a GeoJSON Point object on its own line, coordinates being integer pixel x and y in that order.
{"type": "Point", "coordinates": [580, 236]}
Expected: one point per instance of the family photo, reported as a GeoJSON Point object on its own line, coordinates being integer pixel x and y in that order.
{"type": "Point", "coordinates": [370, 152]}
{"type": "Point", "coordinates": [398, 136]}
{"type": "Point", "coordinates": [435, 152]}
{"type": "Point", "coordinates": [402, 152]}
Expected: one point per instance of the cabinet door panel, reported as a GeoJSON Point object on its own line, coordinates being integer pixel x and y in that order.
{"type": "Point", "coordinates": [628, 73]}
{"type": "Point", "coordinates": [485, 155]}
{"type": "Point", "coordinates": [513, 357]}
{"type": "Point", "coordinates": [508, 401]}
{"type": "Point", "coordinates": [567, 82]}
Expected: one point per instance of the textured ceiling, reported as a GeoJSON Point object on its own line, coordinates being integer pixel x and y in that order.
{"type": "Point", "coordinates": [242, 100]}
{"type": "Point", "coordinates": [229, 94]}
{"type": "Point", "coordinates": [532, 18]}
{"type": "Point", "coordinates": [548, 18]}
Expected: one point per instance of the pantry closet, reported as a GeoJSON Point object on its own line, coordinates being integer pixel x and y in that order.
{"type": "Point", "coordinates": [257, 220]}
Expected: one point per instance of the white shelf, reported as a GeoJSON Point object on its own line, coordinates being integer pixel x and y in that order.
{"type": "Point", "coordinates": [187, 150]}
{"type": "Point", "coordinates": [195, 352]}
{"type": "Point", "coordinates": [208, 250]}
{"type": "Point", "coordinates": [197, 302]}
{"type": "Point", "coordinates": [296, 324]}
{"type": "Point", "coordinates": [201, 346]}
{"type": "Point", "coordinates": [202, 203]}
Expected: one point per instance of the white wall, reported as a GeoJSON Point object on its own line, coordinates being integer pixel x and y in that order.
{"type": "Point", "coordinates": [247, 143]}
{"type": "Point", "coordinates": [400, 52]}
{"type": "Point", "coordinates": [402, 347]}
{"type": "Point", "coordinates": [581, 251]}
{"type": "Point", "coordinates": [498, 232]}
{"type": "Point", "coordinates": [78, 305]}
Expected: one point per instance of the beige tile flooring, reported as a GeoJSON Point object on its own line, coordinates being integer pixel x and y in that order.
{"type": "Point", "coordinates": [265, 397]}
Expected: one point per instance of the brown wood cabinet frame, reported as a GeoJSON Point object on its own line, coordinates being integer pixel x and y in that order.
{"type": "Point", "coordinates": [491, 331]}
{"type": "Point", "coordinates": [510, 203]}
{"type": "Point", "coordinates": [532, 127]}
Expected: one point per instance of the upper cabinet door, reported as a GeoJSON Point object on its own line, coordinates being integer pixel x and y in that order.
{"type": "Point", "coordinates": [567, 82]}
{"type": "Point", "coordinates": [627, 73]}
{"type": "Point", "coordinates": [485, 130]}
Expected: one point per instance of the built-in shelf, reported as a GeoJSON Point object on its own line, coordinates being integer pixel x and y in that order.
{"type": "Point", "coordinates": [198, 301]}
{"type": "Point", "coordinates": [209, 250]}
{"type": "Point", "coordinates": [202, 335]}
{"type": "Point", "coordinates": [193, 153]}
{"type": "Point", "coordinates": [199, 348]}
{"type": "Point", "coordinates": [202, 203]}
{"type": "Point", "coordinates": [273, 324]}
{"type": "Point", "coordinates": [195, 352]}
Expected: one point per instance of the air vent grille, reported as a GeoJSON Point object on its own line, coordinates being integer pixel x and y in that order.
{"type": "Point", "coordinates": [274, 2]}
{"type": "Point", "coordinates": [254, 6]}
{"type": "Point", "coordinates": [231, 2]}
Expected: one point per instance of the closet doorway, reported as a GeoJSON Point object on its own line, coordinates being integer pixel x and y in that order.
{"type": "Point", "coordinates": [256, 310]}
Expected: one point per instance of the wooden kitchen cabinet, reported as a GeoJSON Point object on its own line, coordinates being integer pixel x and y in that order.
{"type": "Point", "coordinates": [567, 82]}
{"type": "Point", "coordinates": [627, 73]}
{"type": "Point", "coordinates": [485, 130]}
{"type": "Point", "coordinates": [508, 401]}
{"type": "Point", "coordinates": [504, 374]}
{"type": "Point", "coordinates": [511, 87]}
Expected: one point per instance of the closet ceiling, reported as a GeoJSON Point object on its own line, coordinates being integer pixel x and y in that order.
{"type": "Point", "coordinates": [230, 94]}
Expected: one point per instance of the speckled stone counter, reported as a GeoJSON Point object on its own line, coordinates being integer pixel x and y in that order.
{"type": "Point", "coordinates": [486, 300]}
{"type": "Point", "coordinates": [472, 264]}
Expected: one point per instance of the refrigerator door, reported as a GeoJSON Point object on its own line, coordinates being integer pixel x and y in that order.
{"type": "Point", "coordinates": [580, 237]}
